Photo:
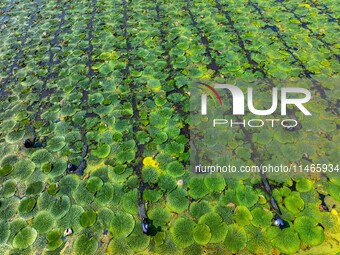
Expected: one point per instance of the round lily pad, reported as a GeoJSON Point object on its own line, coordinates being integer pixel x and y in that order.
{"type": "Point", "coordinates": [54, 240]}
{"type": "Point", "coordinates": [159, 216]}
{"type": "Point", "coordinates": [236, 239]}
{"type": "Point", "coordinates": [309, 231]}
{"type": "Point", "coordinates": [175, 169]}
{"type": "Point", "coordinates": [197, 188]}
{"type": "Point", "coordinates": [130, 201]}
{"type": "Point", "coordinates": [8, 188]}
{"type": "Point", "coordinates": [102, 151]}
{"type": "Point", "coordinates": [43, 222]}
{"type": "Point", "coordinates": [166, 182]}
{"type": "Point", "coordinates": [197, 209]}
{"type": "Point", "coordinates": [294, 203]}
{"type": "Point", "coordinates": [27, 204]}
{"type": "Point", "coordinates": [177, 200]}
{"type": "Point", "coordinates": [4, 232]}
{"type": "Point", "coordinates": [56, 143]}
{"type": "Point", "coordinates": [15, 136]}
{"type": "Point", "coordinates": [149, 174]}
{"type": "Point", "coordinates": [93, 184]}
{"type": "Point", "coordinates": [104, 194]}
{"type": "Point", "coordinates": [119, 246]}
{"type": "Point", "coordinates": [60, 207]}
{"type": "Point", "coordinates": [71, 219]}
{"type": "Point", "coordinates": [217, 227]}
{"type": "Point", "coordinates": [41, 156]}
{"type": "Point", "coordinates": [202, 234]}
{"type": "Point", "coordinates": [35, 188]}
{"type": "Point", "coordinates": [85, 246]}
{"type": "Point", "coordinates": [242, 215]}
{"type": "Point", "coordinates": [24, 238]}
{"type": "Point", "coordinates": [246, 195]}
{"type": "Point", "coordinates": [138, 241]}
{"type": "Point", "coordinates": [304, 185]}
{"type": "Point", "coordinates": [261, 217]}
{"type": "Point", "coordinates": [182, 231]}
{"type": "Point", "coordinates": [23, 169]}
{"type": "Point", "coordinates": [88, 218]}
{"type": "Point", "coordinates": [121, 224]}
{"type": "Point", "coordinates": [5, 170]}
{"type": "Point", "coordinates": [287, 241]}
{"type": "Point", "coordinates": [215, 184]}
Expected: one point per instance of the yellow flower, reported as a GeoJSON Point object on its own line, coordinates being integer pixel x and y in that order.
{"type": "Point", "coordinates": [149, 161]}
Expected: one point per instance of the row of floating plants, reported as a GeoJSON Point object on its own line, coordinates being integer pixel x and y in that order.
{"type": "Point", "coordinates": [115, 76]}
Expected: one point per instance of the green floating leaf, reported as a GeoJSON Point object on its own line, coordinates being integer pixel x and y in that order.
{"type": "Point", "coordinates": [159, 216]}
{"type": "Point", "coordinates": [43, 222]}
{"type": "Point", "coordinates": [24, 238]}
{"type": "Point", "coordinates": [54, 240]}
{"type": "Point", "coordinates": [261, 217]}
{"type": "Point", "coordinates": [4, 232]}
{"type": "Point", "coordinates": [60, 207]}
{"type": "Point", "coordinates": [182, 232]}
{"type": "Point", "coordinates": [15, 136]}
{"type": "Point", "coordinates": [102, 151]}
{"type": "Point", "coordinates": [202, 234]}
{"type": "Point", "coordinates": [56, 143]}
{"type": "Point", "coordinates": [177, 201]}
{"type": "Point", "coordinates": [130, 201]}
{"type": "Point", "coordinates": [215, 184]}
{"type": "Point", "coordinates": [119, 246]}
{"type": "Point", "coordinates": [105, 194]}
{"type": "Point", "coordinates": [198, 209]}
{"type": "Point", "coordinates": [85, 246]}
{"type": "Point", "coordinates": [5, 170]}
{"type": "Point", "coordinates": [309, 231]}
{"type": "Point", "coordinates": [88, 218]}
{"type": "Point", "coordinates": [41, 156]}
{"type": "Point", "coordinates": [152, 195]}
{"type": "Point", "coordinates": [175, 169]}
{"type": "Point", "coordinates": [246, 195]}
{"type": "Point", "coordinates": [26, 204]}
{"type": "Point", "coordinates": [121, 224]}
{"type": "Point", "coordinates": [198, 189]}
{"type": "Point", "coordinates": [23, 169]}
{"type": "Point", "coordinates": [35, 188]}
{"type": "Point", "coordinates": [236, 239]}
{"type": "Point", "coordinates": [167, 182]}
{"type": "Point", "coordinates": [93, 184]}
{"type": "Point", "coordinates": [8, 188]}
{"type": "Point", "coordinates": [334, 190]}
{"type": "Point", "coordinates": [149, 174]}
{"type": "Point", "coordinates": [217, 227]}
{"type": "Point", "coordinates": [304, 185]}
{"type": "Point", "coordinates": [294, 203]}
{"type": "Point", "coordinates": [287, 241]}
{"type": "Point", "coordinates": [138, 241]}
{"type": "Point", "coordinates": [242, 215]}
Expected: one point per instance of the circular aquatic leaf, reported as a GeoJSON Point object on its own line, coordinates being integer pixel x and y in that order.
{"type": "Point", "coordinates": [71, 219]}
{"type": "Point", "coordinates": [287, 241]}
{"type": "Point", "coordinates": [23, 169]}
{"type": "Point", "coordinates": [152, 195]}
{"type": "Point", "coordinates": [88, 218]}
{"type": "Point", "coordinates": [138, 241]}
{"type": "Point", "coordinates": [334, 190]}
{"type": "Point", "coordinates": [215, 184]}
{"type": "Point", "coordinates": [104, 194]}
{"type": "Point", "coordinates": [68, 183]}
{"type": "Point", "coordinates": [294, 203]}
{"type": "Point", "coordinates": [60, 207]}
{"type": "Point", "coordinates": [154, 84]}
{"type": "Point", "coordinates": [130, 201]}
{"type": "Point", "coordinates": [202, 234]}
{"type": "Point", "coordinates": [309, 231]}
{"type": "Point", "coordinates": [102, 151]}
{"type": "Point", "coordinates": [167, 182]}
{"type": "Point", "coordinates": [182, 232]}
{"type": "Point", "coordinates": [217, 227]}
{"type": "Point", "coordinates": [197, 209]}
{"type": "Point", "coordinates": [43, 222]}
{"type": "Point", "coordinates": [261, 217]}
{"type": "Point", "coordinates": [41, 156]}
{"type": "Point", "coordinates": [104, 217]}
{"type": "Point", "coordinates": [236, 239]}
{"type": "Point", "coordinates": [242, 215]}
{"type": "Point", "coordinates": [24, 238]}
{"type": "Point", "coordinates": [304, 185]}
{"type": "Point", "coordinates": [93, 184]}
{"type": "Point", "coordinates": [54, 240]}
{"type": "Point", "coordinates": [159, 216]}
{"type": "Point", "coordinates": [175, 169]}
{"type": "Point", "coordinates": [119, 246]}
{"type": "Point", "coordinates": [149, 174]}
{"type": "Point", "coordinates": [15, 136]}
{"type": "Point", "coordinates": [197, 188]}
{"type": "Point", "coordinates": [56, 143]}
{"type": "Point", "coordinates": [85, 246]}
{"type": "Point", "coordinates": [27, 204]}
{"type": "Point", "coordinates": [4, 232]}
{"type": "Point", "coordinates": [35, 188]}
{"type": "Point", "coordinates": [8, 188]}
{"type": "Point", "coordinates": [121, 225]}
{"type": "Point", "coordinates": [5, 170]}
{"type": "Point", "coordinates": [177, 201]}
{"type": "Point", "coordinates": [246, 195]}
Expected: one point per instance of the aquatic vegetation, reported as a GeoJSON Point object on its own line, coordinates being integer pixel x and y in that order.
{"type": "Point", "coordinates": [97, 127]}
